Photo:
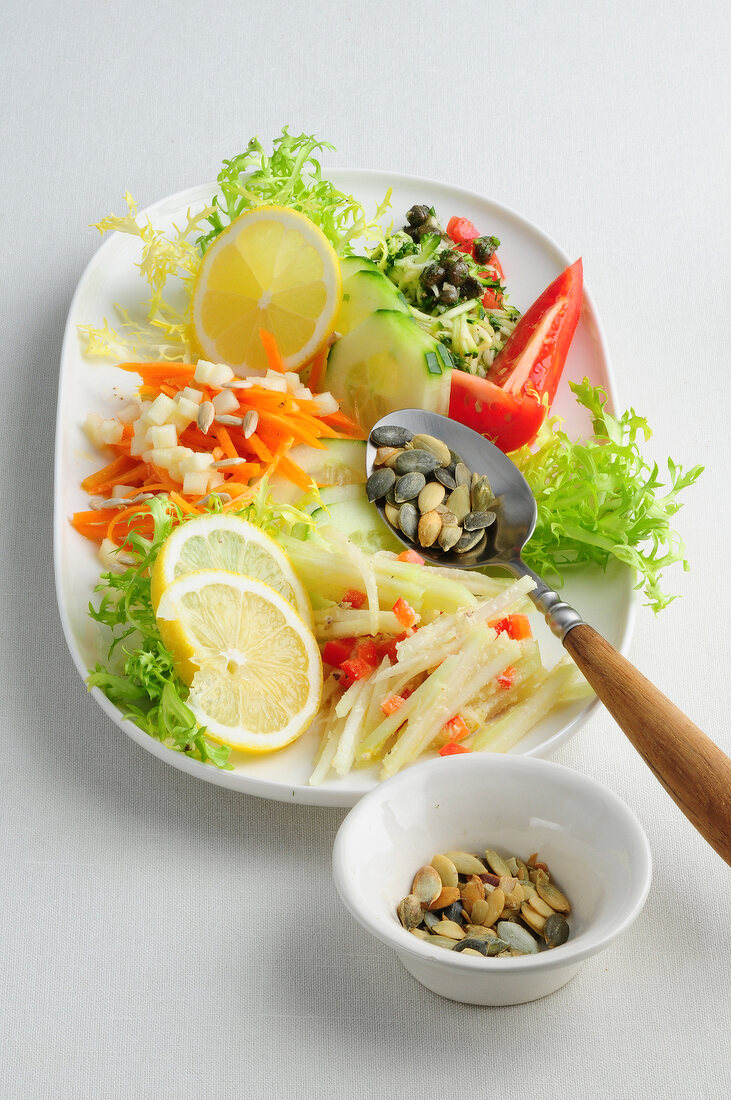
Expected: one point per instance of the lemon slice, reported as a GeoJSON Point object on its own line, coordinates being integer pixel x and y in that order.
{"type": "Point", "coordinates": [230, 543]}
{"type": "Point", "coordinates": [271, 269]}
{"type": "Point", "coordinates": [253, 665]}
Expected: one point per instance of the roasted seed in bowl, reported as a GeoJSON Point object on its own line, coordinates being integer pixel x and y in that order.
{"type": "Point", "coordinates": [593, 846]}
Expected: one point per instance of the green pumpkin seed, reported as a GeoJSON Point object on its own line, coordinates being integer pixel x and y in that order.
{"type": "Point", "coordinates": [391, 435]}
{"type": "Point", "coordinates": [555, 930]}
{"type": "Point", "coordinates": [471, 542]}
{"type": "Point", "coordinates": [496, 947]}
{"type": "Point", "coordinates": [478, 521]}
{"type": "Point", "coordinates": [472, 945]}
{"type": "Point", "coordinates": [463, 475]}
{"type": "Point", "coordinates": [379, 483]}
{"type": "Point", "coordinates": [422, 462]}
{"type": "Point", "coordinates": [516, 937]}
{"type": "Point", "coordinates": [430, 443]}
{"type": "Point", "coordinates": [481, 493]}
{"type": "Point", "coordinates": [431, 919]}
{"type": "Point", "coordinates": [408, 487]}
{"type": "Point", "coordinates": [446, 478]}
{"type": "Point", "coordinates": [409, 520]}
{"type": "Point", "coordinates": [449, 535]}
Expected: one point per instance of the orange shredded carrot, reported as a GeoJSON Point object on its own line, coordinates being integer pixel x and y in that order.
{"type": "Point", "coordinates": [272, 352]}
{"type": "Point", "coordinates": [294, 473]}
{"type": "Point", "coordinates": [225, 440]}
{"type": "Point", "coordinates": [184, 505]}
{"type": "Point", "coordinates": [260, 448]}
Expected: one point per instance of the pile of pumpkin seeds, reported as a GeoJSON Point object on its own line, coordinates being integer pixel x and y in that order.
{"type": "Point", "coordinates": [493, 907]}
{"type": "Point", "coordinates": [431, 496]}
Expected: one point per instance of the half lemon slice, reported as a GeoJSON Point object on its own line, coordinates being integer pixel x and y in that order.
{"type": "Point", "coordinates": [271, 269]}
{"type": "Point", "coordinates": [253, 665]}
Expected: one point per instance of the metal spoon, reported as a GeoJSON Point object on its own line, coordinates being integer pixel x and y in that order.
{"type": "Point", "coordinates": [693, 770]}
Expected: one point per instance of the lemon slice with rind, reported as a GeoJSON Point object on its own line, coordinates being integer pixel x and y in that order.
{"type": "Point", "coordinates": [230, 543]}
{"type": "Point", "coordinates": [271, 269]}
{"type": "Point", "coordinates": [253, 665]}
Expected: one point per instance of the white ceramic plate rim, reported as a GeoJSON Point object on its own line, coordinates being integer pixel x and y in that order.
{"type": "Point", "coordinates": [323, 795]}
{"type": "Point", "coordinates": [574, 951]}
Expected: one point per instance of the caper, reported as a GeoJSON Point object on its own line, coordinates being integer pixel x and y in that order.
{"type": "Point", "coordinates": [456, 272]}
{"type": "Point", "coordinates": [471, 288]}
{"type": "Point", "coordinates": [432, 275]}
{"type": "Point", "coordinates": [484, 247]}
{"type": "Point", "coordinates": [448, 294]}
{"type": "Point", "coordinates": [431, 225]}
{"type": "Point", "coordinates": [417, 215]}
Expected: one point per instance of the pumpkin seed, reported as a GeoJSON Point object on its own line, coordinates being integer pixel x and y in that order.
{"type": "Point", "coordinates": [540, 906]}
{"type": "Point", "coordinates": [522, 871]}
{"type": "Point", "coordinates": [470, 893]}
{"type": "Point", "coordinates": [391, 435]}
{"type": "Point", "coordinates": [555, 930]}
{"type": "Point", "coordinates": [481, 493]}
{"type": "Point", "coordinates": [445, 869]}
{"type": "Point", "coordinates": [409, 520]}
{"type": "Point", "coordinates": [410, 911]}
{"type": "Point", "coordinates": [420, 933]}
{"type": "Point", "coordinates": [446, 478]}
{"type": "Point", "coordinates": [429, 527]}
{"type": "Point", "coordinates": [495, 906]}
{"type": "Point", "coordinates": [463, 475]}
{"type": "Point", "coordinates": [458, 502]}
{"type": "Point", "coordinates": [392, 514]}
{"type": "Point", "coordinates": [497, 864]}
{"type": "Point", "coordinates": [465, 863]}
{"type": "Point", "coordinates": [512, 865]}
{"type": "Point", "coordinates": [471, 946]}
{"type": "Point", "coordinates": [496, 947]}
{"type": "Point", "coordinates": [550, 894]}
{"type": "Point", "coordinates": [448, 896]}
{"type": "Point", "coordinates": [479, 911]}
{"type": "Point", "coordinates": [422, 462]}
{"type": "Point", "coordinates": [450, 929]}
{"type": "Point", "coordinates": [379, 483]}
{"type": "Point", "coordinates": [431, 919]}
{"type": "Point", "coordinates": [532, 919]}
{"type": "Point", "coordinates": [384, 453]}
{"type": "Point", "coordinates": [480, 932]}
{"type": "Point", "coordinates": [430, 443]}
{"type": "Point", "coordinates": [478, 521]}
{"type": "Point", "coordinates": [431, 496]}
{"type": "Point", "coordinates": [427, 885]}
{"type": "Point", "coordinates": [408, 486]}
{"type": "Point", "coordinates": [391, 460]}
{"type": "Point", "coordinates": [489, 879]}
{"type": "Point", "coordinates": [471, 541]}
{"type": "Point", "coordinates": [516, 937]}
{"type": "Point", "coordinates": [442, 941]}
{"type": "Point", "coordinates": [449, 535]}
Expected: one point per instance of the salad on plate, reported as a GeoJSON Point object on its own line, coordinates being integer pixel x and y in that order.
{"type": "Point", "coordinates": [249, 595]}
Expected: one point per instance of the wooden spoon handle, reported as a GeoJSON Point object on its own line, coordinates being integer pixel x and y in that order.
{"type": "Point", "coordinates": [692, 769]}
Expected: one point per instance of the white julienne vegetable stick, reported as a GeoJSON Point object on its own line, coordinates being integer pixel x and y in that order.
{"type": "Point", "coordinates": [374, 714]}
{"type": "Point", "coordinates": [465, 682]}
{"type": "Point", "coordinates": [507, 730]}
{"type": "Point", "coordinates": [421, 698]}
{"type": "Point", "coordinates": [364, 567]}
{"type": "Point", "coordinates": [328, 726]}
{"type": "Point", "coordinates": [492, 699]}
{"type": "Point", "coordinates": [345, 752]}
{"type": "Point", "coordinates": [346, 701]}
{"type": "Point", "coordinates": [335, 622]}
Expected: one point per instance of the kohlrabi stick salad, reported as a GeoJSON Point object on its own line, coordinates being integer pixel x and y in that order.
{"type": "Point", "coordinates": [248, 589]}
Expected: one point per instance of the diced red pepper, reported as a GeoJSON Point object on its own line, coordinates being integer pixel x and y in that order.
{"type": "Point", "coordinates": [368, 651]}
{"type": "Point", "coordinates": [452, 749]}
{"type": "Point", "coordinates": [391, 705]}
{"type": "Point", "coordinates": [354, 598]}
{"type": "Point", "coordinates": [506, 679]}
{"type": "Point", "coordinates": [405, 613]}
{"type": "Point", "coordinates": [461, 230]}
{"type": "Point", "coordinates": [515, 626]}
{"type": "Point", "coordinates": [357, 669]}
{"type": "Point", "coordinates": [457, 728]}
{"type": "Point", "coordinates": [410, 556]}
{"type": "Point", "coordinates": [337, 651]}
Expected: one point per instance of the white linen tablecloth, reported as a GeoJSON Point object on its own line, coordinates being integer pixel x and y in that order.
{"type": "Point", "coordinates": [161, 937]}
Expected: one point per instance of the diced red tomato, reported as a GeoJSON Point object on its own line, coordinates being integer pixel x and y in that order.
{"type": "Point", "coordinates": [357, 669]}
{"type": "Point", "coordinates": [456, 728]}
{"type": "Point", "coordinates": [461, 230]}
{"type": "Point", "coordinates": [405, 613]}
{"type": "Point", "coordinates": [337, 651]}
{"type": "Point", "coordinates": [391, 705]}
{"type": "Point", "coordinates": [452, 749]}
{"type": "Point", "coordinates": [492, 298]}
{"type": "Point", "coordinates": [506, 679]}
{"type": "Point", "coordinates": [510, 404]}
{"type": "Point", "coordinates": [410, 556]}
{"type": "Point", "coordinates": [354, 598]}
{"type": "Point", "coordinates": [515, 626]}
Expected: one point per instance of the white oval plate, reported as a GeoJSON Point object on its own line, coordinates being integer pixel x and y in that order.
{"type": "Point", "coordinates": [531, 261]}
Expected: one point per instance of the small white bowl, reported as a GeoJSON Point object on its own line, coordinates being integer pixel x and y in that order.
{"type": "Point", "coordinates": [592, 843]}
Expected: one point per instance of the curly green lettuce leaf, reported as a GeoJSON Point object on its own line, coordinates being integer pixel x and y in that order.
{"type": "Point", "coordinates": [599, 499]}
{"type": "Point", "coordinates": [291, 175]}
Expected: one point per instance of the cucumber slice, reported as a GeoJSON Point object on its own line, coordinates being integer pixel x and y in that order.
{"type": "Point", "coordinates": [365, 290]}
{"type": "Point", "coordinates": [388, 363]}
{"type": "Point", "coordinates": [350, 264]}
{"type": "Point", "coordinates": [360, 521]}
{"type": "Point", "coordinates": [341, 463]}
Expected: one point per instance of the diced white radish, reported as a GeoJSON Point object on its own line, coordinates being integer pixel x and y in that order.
{"type": "Point", "coordinates": [303, 392]}
{"type": "Point", "coordinates": [110, 431]}
{"type": "Point", "coordinates": [181, 455]}
{"type": "Point", "coordinates": [326, 403]}
{"type": "Point", "coordinates": [185, 413]}
{"type": "Point", "coordinates": [162, 437]}
{"type": "Point", "coordinates": [198, 460]}
{"type": "Point", "coordinates": [293, 380]}
{"type": "Point", "coordinates": [215, 478]}
{"type": "Point", "coordinates": [160, 411]}
{"type": "Point", "coordinates": [222, 373]}
{"type": "Point", "coordinates": [130, 412]}
{"type": "Point", "coordinates": [190, 393]}
{"type": "Point", "coordinates": [212, 374]}
{"type": "Point", "coordinates": [162, 457]}
{"type": "Point", "coordinates": [225, 402]}
{"type": "Point", "coordinates": [139, 443]}
{"type": "Point", "coordinates": [272, 380]}
{"type": "Point", "coordinates": [195, 483]}
{"type": "Point", "coordinates": [92, 427]}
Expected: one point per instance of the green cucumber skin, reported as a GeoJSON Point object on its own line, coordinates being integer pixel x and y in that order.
{"type": "Point", "coordinates": [365, 292]}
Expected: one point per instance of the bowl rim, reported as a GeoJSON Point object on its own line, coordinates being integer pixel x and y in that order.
{"type": "Point", "coordinates": [405, 944]}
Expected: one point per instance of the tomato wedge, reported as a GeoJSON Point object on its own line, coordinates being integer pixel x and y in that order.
{"type": "Point", "coordinates": [510, 404]}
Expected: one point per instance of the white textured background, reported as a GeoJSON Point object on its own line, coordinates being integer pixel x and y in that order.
{"type": "Point", "coordinates": [161, 938]}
